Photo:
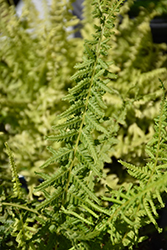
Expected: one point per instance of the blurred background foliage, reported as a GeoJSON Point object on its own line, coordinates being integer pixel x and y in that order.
{"type": "Point", "coordinates": [36, 61]}
{"type": "Point", "coordinates": [37, 58]}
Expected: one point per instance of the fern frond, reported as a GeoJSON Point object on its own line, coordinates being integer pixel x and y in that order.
{"type": "Point", "coordinates": [55, 196]}
{"type": "Point", "coordinates": [84, 187]}
{"type": "Point", "coordinates": [68, 124]}
{"type": "Point", "coordinates": [104, 87]}
{"type": "Point", "coordinates": [81, 85]}
{"type": "Point", "coordinates": [89, 143]}
{"type": "Point", "coordinates": [77, 216]}
{"type": "Point", "coordinates": [95, 108]}
{"type": "Point", "coordinates": [16, 183]}
{"type": "Point", "coordinates": [145, 198]}
{"type": "Point", "coordinates": [63, 136]}
{"type": "Point", "coordinates": [91, 120]}
{"type": "Point", "coordinates": [84, 157]}
{"type": "Point", "coordinates": [99, 99]}
{"type": "Point", "coordinates": [77, 107]}
{"type": "Point", "coordinates": [81, 128]}
{"type": "Point", "coordinates": [58, 155]}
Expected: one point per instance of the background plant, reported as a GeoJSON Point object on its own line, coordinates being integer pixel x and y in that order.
{"type": "Point", "coordinates": [37, 59]}
{"type": "Point", "coordinates": [140, 62]}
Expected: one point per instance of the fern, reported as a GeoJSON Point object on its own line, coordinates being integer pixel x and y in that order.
{"type": "Point", "coordinates": [83, 157]}
{"type": "Point", "coordinates": [15, 179]}
{"type": "Point", "coordinates": [146, 197]}
{"type": "Point", "coordinates": [139, 63]}
{"type": "Point", "coordinates": [71, 214]}
{"type": "Point", "coordinates": [37, 57]}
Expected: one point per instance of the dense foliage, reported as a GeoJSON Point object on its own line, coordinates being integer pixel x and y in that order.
{"type": "Point", "coordinates": [111, 95]}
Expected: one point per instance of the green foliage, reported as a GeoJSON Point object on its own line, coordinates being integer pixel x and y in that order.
{"type": "Point", "coordinates": [66, 211]}
{"type": "Point", "coordinates": [37, 60]}
{"type": "Point", "coordinates": [139, 64]}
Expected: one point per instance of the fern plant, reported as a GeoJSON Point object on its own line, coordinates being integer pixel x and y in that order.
{"type": "Point", "coordinates": [80, 159]}
{"type": "Point", "coordinates": [37, 57]}
{"type": "Point", "coordinates": [71, 215]}
{"type": "Point", "coordinates": [139, 63]}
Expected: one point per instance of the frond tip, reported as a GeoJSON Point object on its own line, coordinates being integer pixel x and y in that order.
{"type": "Point", "coordinates": [15, 179]}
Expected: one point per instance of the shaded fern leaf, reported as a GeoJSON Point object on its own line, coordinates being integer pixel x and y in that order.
{"type": "Point", "coordinates": [58, 155]}
{"type": "Point", "coordinates": [55, 196]}
{"type": "Point", "coordinates": [52, 180]}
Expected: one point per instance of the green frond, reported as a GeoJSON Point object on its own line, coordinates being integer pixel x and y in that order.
{"type": "Point", "coordinates": [95, 108]}
{"type": "Point", "coordinates": [16, 183]}
{"type": "Point", "coordinates": [81, 85]}
{"type": "Point", "coordinates": [99, 99]}
{"type": "Point", "coordinates": [87, 140]}
{"type": "Point", "coordinates": [63, 135]}
{"type": "Point", "coordinates": [84, 187]}
{"type": "Point", "coordinates": [58, 155]}
{"type": "Point", "coordinates": [84, 64]}
{"type": "Point", "coordinates": [55, 196]}
{"type": "Point", "coordinates": [77, 107]}
{"type": "Point", "coordinates": [77, 216]}
{"type": "Point", "coordinates": [104, 87]}
{"type": "Point", "coordinates": [52, 180]}
{"type": "Point", "coordinates": [71, 123]}
{"type": "Point", "coordinates": [91, 120]}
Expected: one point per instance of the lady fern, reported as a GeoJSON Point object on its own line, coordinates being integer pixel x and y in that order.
{"type": "Point", "coordinates": [137, 206]}
{"type": "Point", "coordinates": [79, 157]}
{"type": "Point", "coordinates": [15, 180]}
{"type": "Point", "coordinates": [71, 215]}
